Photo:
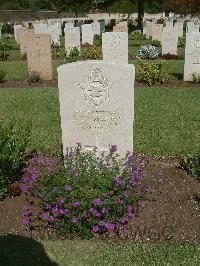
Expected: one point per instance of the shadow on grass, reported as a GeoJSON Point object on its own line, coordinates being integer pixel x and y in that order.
{"type": "Point", "coordinates": [16, 250]}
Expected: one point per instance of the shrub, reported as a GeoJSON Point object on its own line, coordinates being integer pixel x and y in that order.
{"type": "Point", "coordinates": [58, 52]}
{"type": "Point", "coordinates": [13, 143]}
{"type": "Point", "coordinates": [181, 41]}
{"type": "Point", "coordinates": [91, 195]}
{"type": "Point", "coordinates": [87, 45]}
{"type": "Point", "coordinates": [196, 78]}
{"type": "Point", "coordinates": [191, 164]}
{"type": "Point", "coordinates": [92, 52]}
{"type": "Point", "coordinates": [156, 43]}
{"type": "Point", "coordinates": [137, 36]}
{"type": "Point", "coordinates": [73, 56]}
{"type": "Point", "coordinates": [148, 52]}
{"type": "Point", "coordinates": [4, 48]}
{"type": "Point", "coordinates": [98, 40]}
{"type": "Point", "coordinates": [149, 74]}
{"type": "Point", "coordinates": [3, 74]}
{"type": "Point", "coordinates": [34, 77]}
{"type": "Point", "coordinates": [169, 56]}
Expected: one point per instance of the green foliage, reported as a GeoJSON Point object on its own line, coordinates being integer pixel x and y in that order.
{"type": "Point", "coordinates": [34, 77]}
{"type": "Point", "coordinates": [3, 74]}
{"type": "Point", "coordinates": [156, 43]}
{"type": "Point", "coordinates": [196, 78]}
{"type": "Point", "coordinates": [13, 143]}
{"type": "Point", "coordinates": [137, 36]}
{"type": "Point", "coordinates": [181, 41]}
{"type": "Point", "coordinates": [191, 164]}
{"type": "Point", "coordinates": [98, 40]}
{"type": "Point", "coordinates": [92, 193]}
{"type": "Point", "coordinates": [4, 48]}
{"type": "Point", "coordinates": [73, 55]}
{"type": "Point", "coordinates": [150, 73]}
{"type": "Point", "coordinates": [58, 52]}
{"type": "Point", "coordinates": [92, 52]}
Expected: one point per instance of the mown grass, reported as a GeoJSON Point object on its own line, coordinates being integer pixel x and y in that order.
{"type": "Point", "coordinates": [167, 121]}
{"type": "Point", "coordinates": [23, 251]}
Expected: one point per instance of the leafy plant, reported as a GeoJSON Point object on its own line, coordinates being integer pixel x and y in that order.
{"type": "Point", "coordinates": [137, 36]}
{"type": "Point", "coordinates": [98, 40]}
{"type": "Point", "coordinates": [191, 164]}
{"type": "Point", "coordinates": [73, 56]}
{"type": "Point", "coordinates": [156, 43]}
{"type": "Point", "coordinates": [149, 74]}
{"type": "Point", "coordinates": [58, 52]}
{"type": "Point", "coordinates": [196, 78]}
{"type": "Point", "coordinates": [13, 143]}
{"type": "Point", "coordinates": [92, 52]}
{"type": "Point", "coordinates": [148, 52]}
{"type": "Point", "coordinates": [34, 77]}
{"type": "Point", "coordinates": [90, 195]}
{"type": "Point", "coordinates": [181, 41]}
{"type": "Point", "coordinates": [4, 48]}
{"type": "Point", "coordinates": [3, 74]}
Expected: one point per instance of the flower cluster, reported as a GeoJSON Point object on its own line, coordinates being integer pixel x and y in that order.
{"type": "Point", "coordinates": [148, 52]}
{"type": "Point", "coordinates": [91, 194]}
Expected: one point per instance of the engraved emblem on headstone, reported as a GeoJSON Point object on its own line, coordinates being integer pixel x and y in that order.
{"type": "Point", "coordinates": [96, 90]}
{"type": "Point", "coordinates": [115, 41]}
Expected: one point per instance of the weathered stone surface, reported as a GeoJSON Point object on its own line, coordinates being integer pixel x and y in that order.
{"type": "Point", "coordinates": [24, 37]}
{"type": "Point", "coordinates": [39, 56]}
{"type": "Point", "coordinates": [192, 55]}
{"type": "Point", "coordinates": [120, 28]}
{"type": "Point", "coordinates": [169, 41]}
{"type": "Point", "coordinates": [87, 34]}
{"type": "Point", "coordinates": [115, 47]}
{"type": "Point", "coordinates": [97, 105]}
{"type": "Point", "coordinates": [72, 39]}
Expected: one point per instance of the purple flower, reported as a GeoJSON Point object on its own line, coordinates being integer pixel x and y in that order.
{"type": "Point", "coordinates": [97, 202]}
{"type": "Point", "coordinates": [95, 229]}
{"type": "Point", "coordinates": [95, 213]}
{"type": "Point", "coordinates": [126, 194]}
{"type": "Point", "coordinates": [113, 148]}
{"type": "Point", "coordinates": [101, 223]}
{"type": "Point", "coordinates": [123, 220]}
{"type": "Point", "coordinates": [110, 226]}
{"type": "Point", "coordinates": [105, 194]}
{"type": "Point", "coordinates": [24, 188]}
{"type": "Point", "coordinates": [68, 188]}
{"type": "Point", "coordinates": [45, 216]}
{"type": "Point", "coordinates": [50, 169]}
{"type": "Point", "coordinates": [105, 210]}
{"type": "Point", "coordinates": [117, 201]}
{"type": "Point", "coordinates": [75, 203]}
{"type": "Point", "coordinates": [78, 144]}
{"type": "Point", "coordinates": [34, 177]}
{"type": "Point", "coordinates": [61, 201]}
{"type": "Point", "coordinates": [63, 212]}
{"type": "Point", "coordinates": [141, 203]}
{"type": "Point", "coordinates": [84, 216]}
{"type": "Point", "coordinates": [74, 220]}
{"type": "Point", "coordinates": [26, 221]}
{"type": "Point", "coordinates": [118, 182]}
{"type": "Point", "coordinates": [131, 215]}
{"type": "Point", "coordinates": [54, 210]}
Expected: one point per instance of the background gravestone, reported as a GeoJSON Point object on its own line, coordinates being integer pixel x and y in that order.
{"type": "Point", "coordinates": [97, 106]}
{"type": "Point", "coordinates": [115, 47]}
{"type": "Point", "coordinates": [24, 36]}
{"type": "Point", "coordinates": [169, 41]}
{"type": "Point", "coordinates": [39, 56]}
{"type": "Point", "coordinates": [87, 34]}
{"type": "Point", "coordinates": [72, 39]}
{"type": "Point", "coordinates": [192, 55]}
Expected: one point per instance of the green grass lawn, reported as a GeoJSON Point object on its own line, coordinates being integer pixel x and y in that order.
{"type": "Point", "coordinates": [167, 121]}
{"type": "Point", "coordinates": [28, 252]}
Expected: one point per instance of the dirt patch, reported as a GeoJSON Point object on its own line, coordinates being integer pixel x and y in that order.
{"type": "Point", "coordinates": [170, 215]}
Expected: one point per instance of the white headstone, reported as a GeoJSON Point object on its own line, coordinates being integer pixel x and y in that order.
{"type": "Point", "coordinates": [192, 55]}
{"type": "Point", "coordinates": [72, 39]}
{"type": "Point", "coordinates": [169, 41]}
{"type": "Point", "coordinates": [115, 47]}
{"type": "Point", "coordinates": [191, 27]}
{"type": "Point", "coordinates": [96, 28]}
{"type": "Point", "coordinates": [87, 34]}
{"type": "Point", "coordinates": [40, 28]}
{"type": "Point", "coordinates": [157, 30]}
{"type": "Point", "coordinates": [16, 30]}
{"type": "Point", "coordinates": [179, 28]}
{"type": "Point", "coordinates": [68, 26]}
{"type": "Point", "coordinates": [97, 106]}
{"type": "Point", "coordinates": [54, 31]}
